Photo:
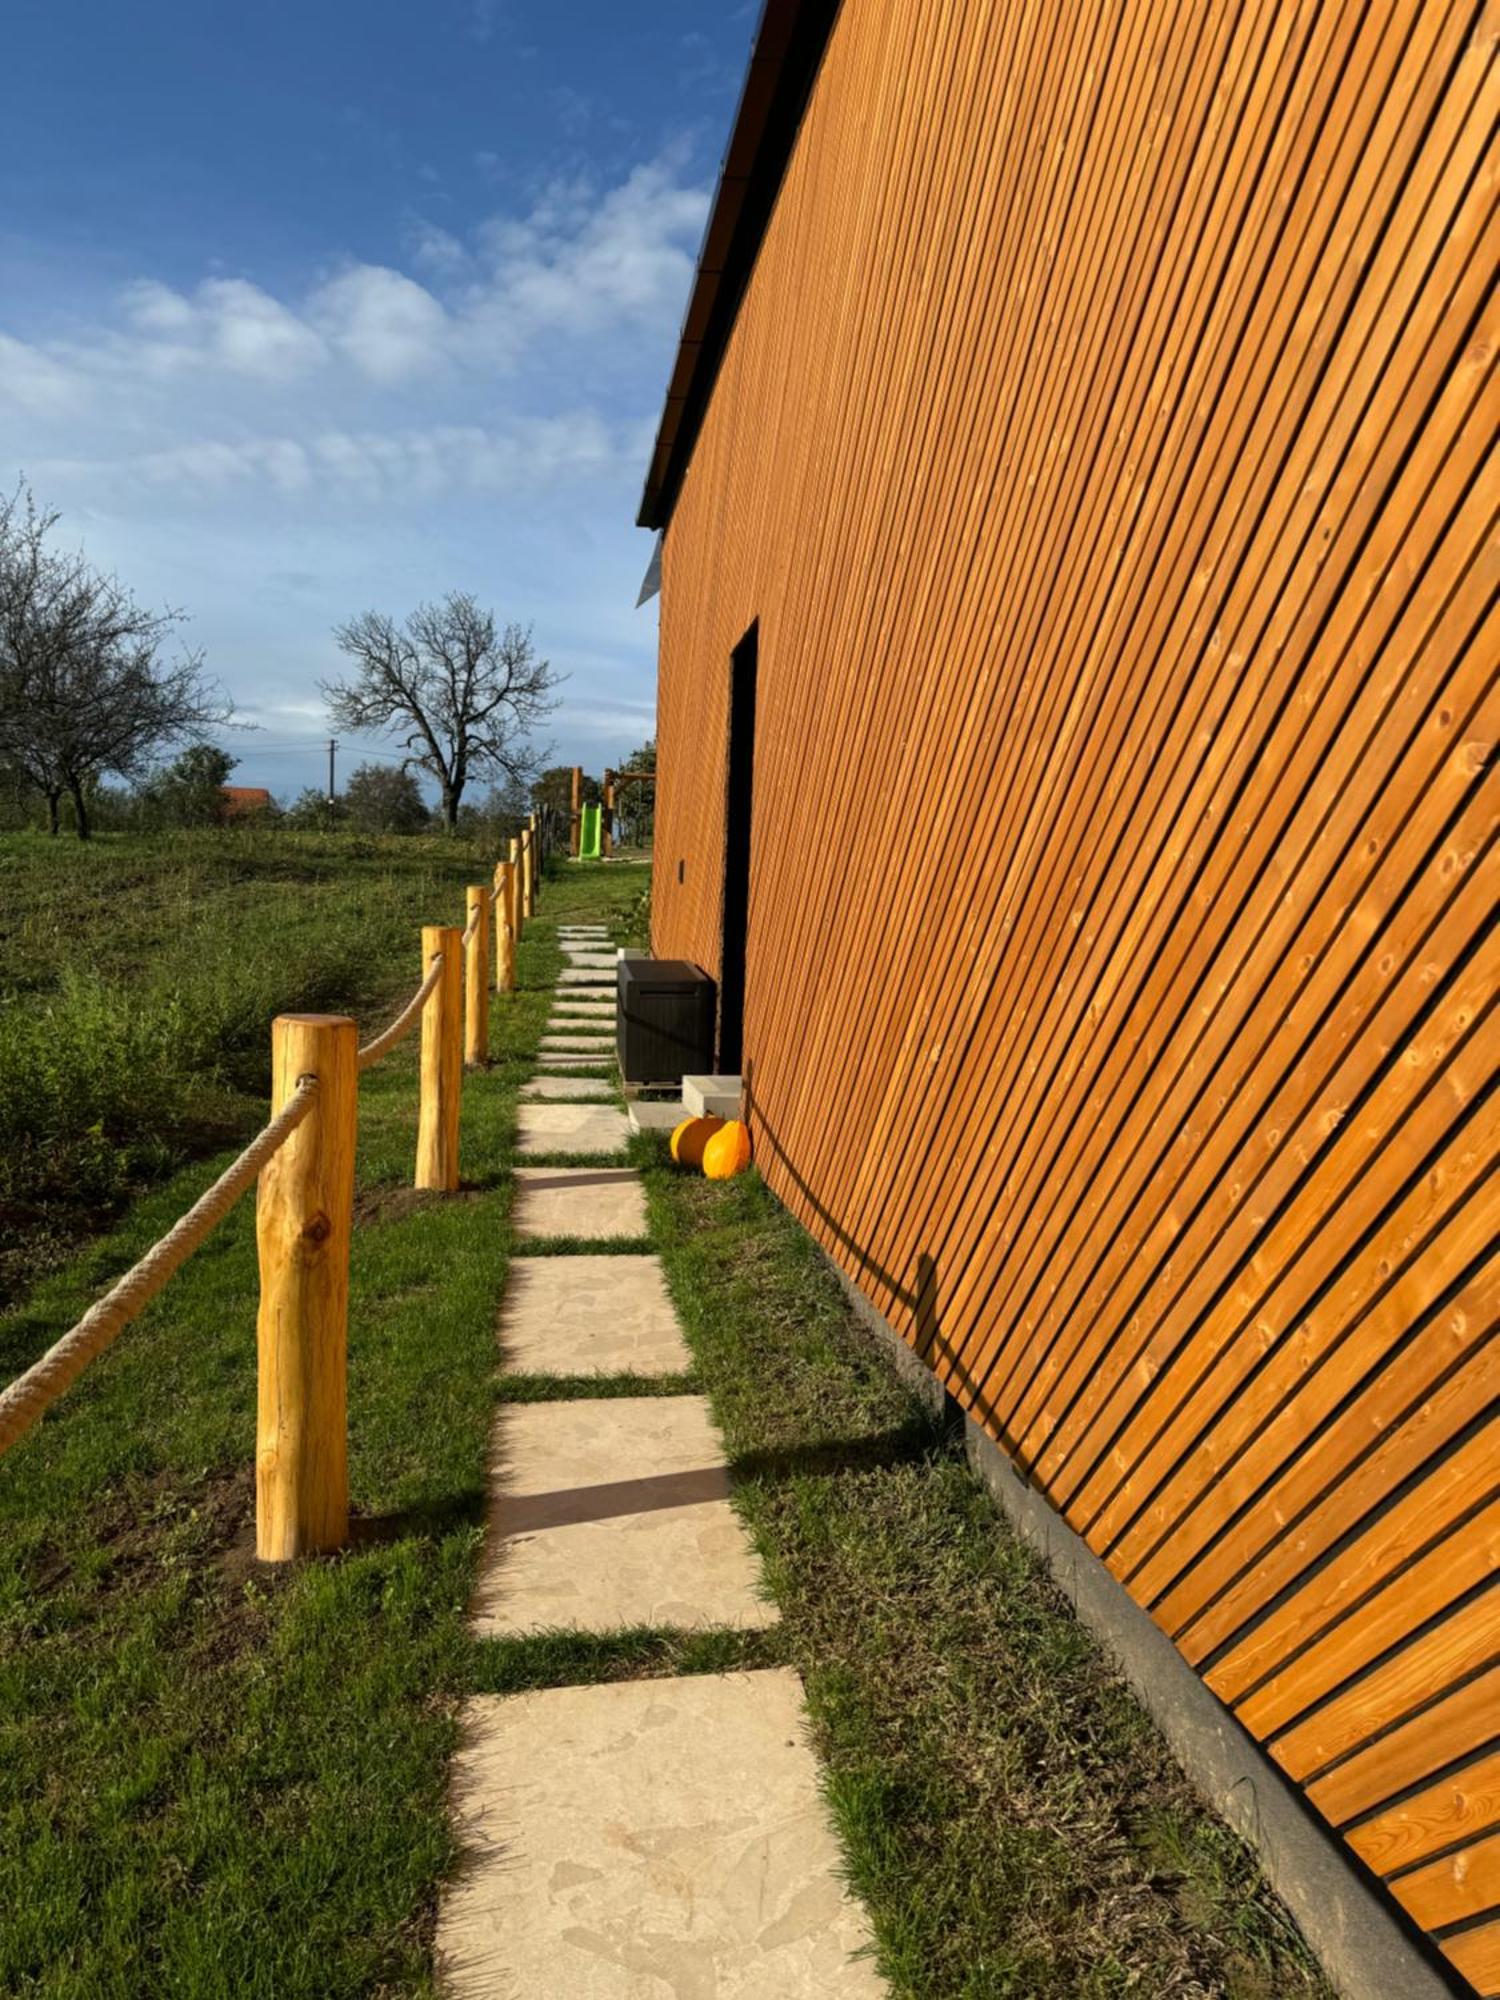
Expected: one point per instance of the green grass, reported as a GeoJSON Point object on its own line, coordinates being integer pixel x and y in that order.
{"type": "Point", "coordinates": [138, 978]}
{"type": "Point", "coordinates": [217, 1778]}
{"type": "Point", "coordinates": [1011, 1817]}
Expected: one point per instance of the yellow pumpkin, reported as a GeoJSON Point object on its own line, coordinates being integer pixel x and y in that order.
{"type": "Point", "coordinates": [690, 1138]}
{"type": "Point", "coordinates": [727, 1152]}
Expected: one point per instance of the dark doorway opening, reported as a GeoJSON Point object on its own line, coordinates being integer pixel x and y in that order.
{"type": "Point", "coordinates": [738, 814]}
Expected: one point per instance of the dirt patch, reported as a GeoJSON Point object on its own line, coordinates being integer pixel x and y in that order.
{"type": "Point", "coordinates": [395, 1204]}
{"type": "Point", "coordinates": [195, 1528]}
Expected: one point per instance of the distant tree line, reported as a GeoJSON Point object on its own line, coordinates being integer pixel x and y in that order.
{"type": "Point", "coordinates": [96, 694]}
{"type": "Point", "coordinates": [195, 789]}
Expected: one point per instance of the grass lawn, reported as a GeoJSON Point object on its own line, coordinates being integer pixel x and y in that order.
{"type": "Point", "coordinates": [216, 1778]}
{"type": "Point", "coordinates": [219, 1779]}
{"type": "Point", "coordinates": [1013, 1821]}
{"type": "Point", "coordinates": [138, 977]}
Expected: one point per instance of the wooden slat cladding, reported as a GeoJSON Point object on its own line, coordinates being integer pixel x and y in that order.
{"type": "Point", "coordinates": [1105, 448]}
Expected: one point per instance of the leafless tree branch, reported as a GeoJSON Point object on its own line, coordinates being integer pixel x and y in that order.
{"type": "Point", "coordinates": [84, 689]}
{"type": "Point", "coordinates": [461, 693]}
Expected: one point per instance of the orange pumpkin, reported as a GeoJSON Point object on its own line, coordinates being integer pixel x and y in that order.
{"type": "Point", "coordinates": [690, 1138]}
{"type": "Point", "coordinates": [727, 1152]}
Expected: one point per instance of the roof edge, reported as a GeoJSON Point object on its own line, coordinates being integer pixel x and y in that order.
{"type": "Point", "coordinates": [784, 62]}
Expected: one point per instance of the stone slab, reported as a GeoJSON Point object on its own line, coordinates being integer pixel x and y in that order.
{"type": "Point", "coordinates": [567, 1090]}
{"type": "Point", "coordinates": [567, 1316]}
{"type": "Point", "coordinates": [581, 1043]}
{"type": "Point", "coordinates": [648, 1840]}
{"type": "Point", "coordinates": [579, 1201]}
{"type": "Point", "coordinates": [651, 1114]}
{"type": "Point", "coordinates": [585, 975]}
{"type": "Point", "coordinates": [570, 1128]}
{"type": "Point", "coordinates": [581, 1007]}
{"type": "Point", "coordinates": [610, 1513]}
{"type": "Point", "coordinates": [596, 961]}
{"type": "Point", "coordinates": [712, 1096]}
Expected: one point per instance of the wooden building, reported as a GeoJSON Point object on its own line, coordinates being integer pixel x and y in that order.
{"type": "Point", "coordinates": [1078, 658]}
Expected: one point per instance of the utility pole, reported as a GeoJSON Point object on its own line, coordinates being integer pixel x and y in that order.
{"type": "Point", "coordinates": [332, 746]}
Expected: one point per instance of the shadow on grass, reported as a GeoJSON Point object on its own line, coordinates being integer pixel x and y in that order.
{"type": "Point", "coordinates": [575, 1659]}
{"type": "Point", "coordinates": [907, 1444]}
{"type": "Point", "coordinates": [429, 1520]}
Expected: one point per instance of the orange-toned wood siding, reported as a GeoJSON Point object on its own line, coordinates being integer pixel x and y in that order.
{"type": "Point", "coordinates": [1105, 449]}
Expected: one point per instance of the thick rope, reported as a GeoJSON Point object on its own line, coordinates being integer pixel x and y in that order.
{"type": "Point", "coordinates": [45, 1380]}
{"type": "Point", "coordinates": [406, 1020]}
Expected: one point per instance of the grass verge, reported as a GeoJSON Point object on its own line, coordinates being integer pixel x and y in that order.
{"type": "Point", "coordinates": [1011, 1817]}
{"type": "Point", "coordinates": [217, 1778]}
{"type": "Point", "coordinates": [220, 1779]}
{"type": "Point", "coordinates": [138, 978]}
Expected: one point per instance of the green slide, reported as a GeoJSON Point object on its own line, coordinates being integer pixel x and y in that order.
{"type": "Point", "coordinates": [588, 834]}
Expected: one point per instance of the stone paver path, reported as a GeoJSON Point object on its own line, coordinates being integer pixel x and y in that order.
{"type": "Point", "coordinates": [574, 1316]}
{"type": "Point", "coordinates": [567, 1090]}
{"type": "Point", "coordinates": [662, 1839]}
{"type": "Point", "coordinates": [650, 1838]}
{"type": "Point", "coordinates": [595, 1202]}
{"type": "Point", "coordinates": [614, 1513]}
{"type": "Point", "coordinates": [570, 1128]}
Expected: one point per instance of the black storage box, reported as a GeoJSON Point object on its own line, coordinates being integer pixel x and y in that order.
{"type": "Point", "coordinates": [664, 1020]}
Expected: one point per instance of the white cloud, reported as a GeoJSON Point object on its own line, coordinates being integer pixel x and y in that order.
{"type": "Point", "coordinates": [476, 415]}
{"type": "Point", "coordinates": [436, 250]}
{"type": "Point", "coordinates": [227, 323]}
{"type": "Point", "coordinates": [523, 457]}
{"type": "Point", "coordinates": [578, 263]}
{"type": "Point", "coordinates": [575, 264]}
{"type": "Point", "coordinates": [36, 381]}
{"type": "Point", "coordinates": [389, 326]}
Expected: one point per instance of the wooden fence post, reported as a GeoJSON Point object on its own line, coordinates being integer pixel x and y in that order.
{"type": "Point", "coordinates": [477, 976]}
{"type": "Point", "coordinates": [528, 869]}
{"type": "Point", "coordinates": [606, 816]}
{"type": "Point", "coordinates": [304, 1217]}
{"type": "Point", "coordinates": [575, 813]}
{"type": "Point", "coordinates": [505, 934]}
{"type": "Point", "coordinates": [442, 1061]}
{"type": "Point", "coordinates": [516, 913]}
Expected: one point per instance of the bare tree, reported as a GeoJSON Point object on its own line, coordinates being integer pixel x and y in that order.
{"type": "Point", "coordinates": [463, 694]}
{"type": "Point", "coordinates": [84, 690]}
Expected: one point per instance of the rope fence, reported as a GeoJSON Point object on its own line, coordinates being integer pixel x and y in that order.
{"type": "Point", "coordinates": [45, 1380]}
{"type": "Point", "coordinates": [304, 1165]}
{"type": "Point", "coordinates": [382, 1044]}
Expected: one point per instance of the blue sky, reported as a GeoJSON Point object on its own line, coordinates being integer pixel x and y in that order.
{"type": "Point", "coordinates": [307, 308]}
